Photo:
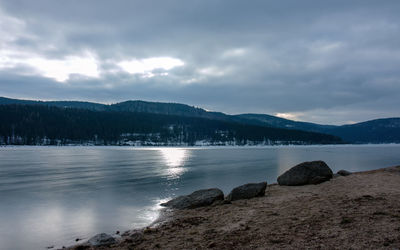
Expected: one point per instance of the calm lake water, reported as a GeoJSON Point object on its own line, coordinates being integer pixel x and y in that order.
{"type": "Point", "coordinates": [49, 196]}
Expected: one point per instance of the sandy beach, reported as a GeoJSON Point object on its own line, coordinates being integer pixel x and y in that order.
{"type": "Point", "coordinates": [360, 211]}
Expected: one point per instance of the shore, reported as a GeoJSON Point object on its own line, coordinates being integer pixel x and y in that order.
{"type": "Point", "coordinates": [359, 211]}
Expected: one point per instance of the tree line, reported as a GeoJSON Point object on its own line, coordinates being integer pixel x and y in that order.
{"type": "Point", "coordinates": [41, 124]}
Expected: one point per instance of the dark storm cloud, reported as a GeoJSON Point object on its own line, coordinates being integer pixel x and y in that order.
{"type": "Point", "coordinates": [324, 61]}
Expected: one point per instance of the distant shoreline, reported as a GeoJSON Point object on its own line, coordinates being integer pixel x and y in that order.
{"type": "Point", "coordinates": [211, 146]}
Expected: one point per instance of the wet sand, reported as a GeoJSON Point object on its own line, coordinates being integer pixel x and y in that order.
{"type": "Point", "coordinates": [360, 211]}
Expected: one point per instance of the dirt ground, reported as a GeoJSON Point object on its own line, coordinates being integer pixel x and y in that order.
{"type": "Point", "coordinates": [360, 211]}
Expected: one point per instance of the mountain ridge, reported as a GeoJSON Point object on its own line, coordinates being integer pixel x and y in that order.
{"type": "Point", "coordinates": [51, 125]}
{"type": "Point", "coordinates": [383, 130]}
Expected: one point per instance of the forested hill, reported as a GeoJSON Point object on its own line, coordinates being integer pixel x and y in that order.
{"type": "Point", "coordinates": [375, 131]}
{"type": "Point", "coordinates": [138, 107]}
{"type": "Point", "coordinates": [129, 106]}
{"type": "Point", "coordinates": [42, 124]}
{"type": "Point", "coordinates": [63, 104]}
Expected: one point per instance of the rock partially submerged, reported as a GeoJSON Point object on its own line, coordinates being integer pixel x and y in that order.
{"type": "Point", "coordinates": [344, 172]}
{"type": "Point", "coordinates": [200, 198]}
{"type": "Point", "coordinates": [247, 191]}
{"type": "Point", "coordinates": [313, 172]}
{"type": "Point", "coordinates": [101, 240]}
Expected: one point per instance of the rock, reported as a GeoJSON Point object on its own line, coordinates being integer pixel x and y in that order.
{"type": "Point", "coordinates": [220, 202]}
{"type": "Point", "coordinates": [198, 198]}
{"type": "Point", "coordinates": [247, 191]}
{"type": "Point", "coordinates": [313, 172]}
{"type": "Point", "coordinates": [101, 240]}
{"type": "Point", "coordinates": [344, 172]}
{"type": "Point", "coordinates": [318, 180]}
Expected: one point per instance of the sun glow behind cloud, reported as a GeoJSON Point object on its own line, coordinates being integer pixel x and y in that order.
{"type": "Point", "coordinates": [290, 116]}
{"type": "Point", "coordinates": [146, 66]}
{"type": "Point", "coordinates": [85, 65]}
{"type": "Point", "coordinates": [31, 62]}
{"type": "Point", "coordinates": [62, 69]}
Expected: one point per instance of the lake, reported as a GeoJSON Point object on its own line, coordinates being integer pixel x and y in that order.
{"type": "Point", "coordinates": [49, 196]}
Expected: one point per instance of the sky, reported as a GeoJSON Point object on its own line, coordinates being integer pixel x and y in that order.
{"type": "Point", "coordinates": [330, 62]}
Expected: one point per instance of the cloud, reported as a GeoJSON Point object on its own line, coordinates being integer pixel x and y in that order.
{"type": "Point", "coordinates": [147, 66]}
{"type": "Point", "coordinates": [237, 52]}
{"type": "Point", "coordinates": [58, 69]}
{"type": "Point", "coordinates": [290, 116]}
{"type": "Point", "coordinates": [327, 62]}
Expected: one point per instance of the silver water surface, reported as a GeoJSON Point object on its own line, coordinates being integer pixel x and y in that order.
{"type": "Point", "coordinates": [49, 196]}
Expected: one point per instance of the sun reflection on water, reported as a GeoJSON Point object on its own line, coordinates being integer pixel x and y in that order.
{"type": "Point", "coordinates": [175, 159]}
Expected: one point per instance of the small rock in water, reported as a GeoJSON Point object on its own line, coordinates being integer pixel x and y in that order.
{"type": "Point", "coordinates": [247, 191]}
{"type": "Point", "coordinates": [344, 172]}
{"type": "Point", "coordinates": [117, 232]}
{"type": "Point", "coordinates": [101, 240]}
{"type": "Point", "coordinates": [77, 239]}
{"type": "Point", "coordinates": [313, 172]}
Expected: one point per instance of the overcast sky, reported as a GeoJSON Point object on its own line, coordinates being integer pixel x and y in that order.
{"type": "Point", "coordinates": [331, 62]}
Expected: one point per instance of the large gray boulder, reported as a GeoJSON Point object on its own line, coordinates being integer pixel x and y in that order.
{"type": "Point", "coordinates": [247, 191]}
{"type": "Point", "coordinates": [313, 172]}
{"type": "Point", "coordinates": [198, 198]}
{"type": "Point", "coordinates": [344, 172]}
{"type": "Point", "coordinates": [101, 240]}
